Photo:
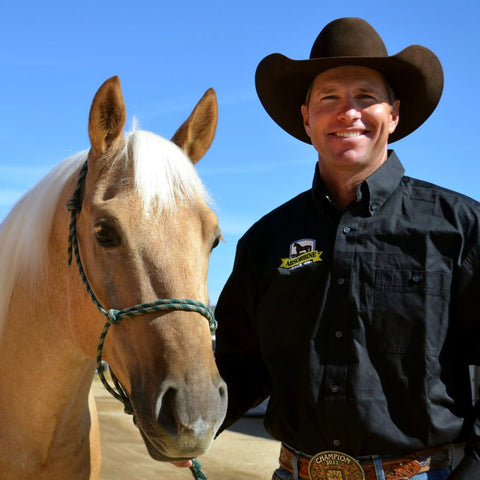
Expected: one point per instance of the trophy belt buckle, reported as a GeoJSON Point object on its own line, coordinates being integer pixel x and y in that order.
{"type": "Point", "coordinates": [332, 465]}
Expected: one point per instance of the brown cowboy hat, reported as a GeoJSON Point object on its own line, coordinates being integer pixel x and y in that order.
{"type": "Point", "coordinates": [415, 74]}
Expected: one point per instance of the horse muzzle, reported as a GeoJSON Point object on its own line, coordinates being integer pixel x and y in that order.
{"type": "Point", "coordinates": [184, 419]}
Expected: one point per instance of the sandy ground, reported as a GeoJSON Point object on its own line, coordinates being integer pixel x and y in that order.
{"type": "Point", "coordinates": [245, 452]}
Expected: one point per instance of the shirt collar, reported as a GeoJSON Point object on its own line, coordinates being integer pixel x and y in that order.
{"type": "Point", "coordinates": [319, 193]}
{"type": "Point", "coordinates": [384, 181]}
{"type": "Point", "coordinates": [377, 188]}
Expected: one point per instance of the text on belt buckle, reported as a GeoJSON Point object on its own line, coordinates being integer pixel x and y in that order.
{"type": "Point", "coordinates": [332, 465]}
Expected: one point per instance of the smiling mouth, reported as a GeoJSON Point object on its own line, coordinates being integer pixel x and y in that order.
{"type": "Point", "coordinates": [348, 134]}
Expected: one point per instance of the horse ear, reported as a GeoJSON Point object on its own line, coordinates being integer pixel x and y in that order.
{"type": "Point", "coordinates": [196, 134]}
{"type": "Point", "coordinates": [107, 116]}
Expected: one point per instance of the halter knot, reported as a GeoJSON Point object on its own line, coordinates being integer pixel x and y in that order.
{"type": "Point", "coordinates": [112, 316]}
{"type": "Point", "coordinates": [128, 409]}
{"type": "Point", "coordinates": [74, 205]}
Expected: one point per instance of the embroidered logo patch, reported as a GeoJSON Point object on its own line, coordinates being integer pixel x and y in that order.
{"type": "Point", "coordinates": [302, 252]}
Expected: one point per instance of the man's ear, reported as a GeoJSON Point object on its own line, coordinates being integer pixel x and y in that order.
{"type": "Point", "coordinates": [394, 116]}
{"type": "Point", "coordinates": [306, 119]}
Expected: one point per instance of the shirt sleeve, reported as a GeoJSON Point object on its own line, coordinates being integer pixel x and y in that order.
{"type": "Point", "coordinates": [468, 468]}
{"type": "Point", "coordinates": [237, 350]}
{"type": "Point", "coordinates": [469, 344]}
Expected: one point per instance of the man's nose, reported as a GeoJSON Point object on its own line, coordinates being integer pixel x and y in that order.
{"type": "Point", "coordinates": [348, 110]}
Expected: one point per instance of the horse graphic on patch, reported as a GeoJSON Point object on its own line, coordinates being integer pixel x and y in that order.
{"type": "Point", "coordinates": [301, 252]}
{"type": "Point", "coordinates": [301, 246]}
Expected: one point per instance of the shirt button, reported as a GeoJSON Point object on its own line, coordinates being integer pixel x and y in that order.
{"type": "Point", "coordinates": [337, 443]}
{"type": "Point", "coordinates": [341, 281]}
{"type": "Point", "coordinates": [417, 277]}
{"type": "Point", "coordinates": [335, 388]}
{"type": "Point", "coordinates": [347, 230]}
{"type": "Point", "coordinates": [338, 334]}
{"type": "Point", "coordinates": [373, 207]}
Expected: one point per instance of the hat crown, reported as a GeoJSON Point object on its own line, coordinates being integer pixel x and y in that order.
{"type": "Point", "coordinates": [348, 37]}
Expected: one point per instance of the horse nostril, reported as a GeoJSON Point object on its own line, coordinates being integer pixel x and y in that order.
{"type": "Point", "coordinates": [222, 390]}
{"type": "Point", "coordinates": [192, 413]}
{"type": "Point", "coordinates": [166, 418]}
{"type": "Point", "coordinates": [221, 405]}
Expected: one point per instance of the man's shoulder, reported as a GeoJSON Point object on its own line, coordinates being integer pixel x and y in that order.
{"type": "Point", "coordinates": [281, 216]}
{"type": "Point", "coordinates": [426, 191]}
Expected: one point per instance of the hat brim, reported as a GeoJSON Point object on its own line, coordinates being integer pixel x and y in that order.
{"type": "Point", "coordinates": [415, 74]}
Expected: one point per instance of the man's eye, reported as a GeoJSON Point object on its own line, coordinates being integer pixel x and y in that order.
{"type": "Point", "coordinates": [367, 97]}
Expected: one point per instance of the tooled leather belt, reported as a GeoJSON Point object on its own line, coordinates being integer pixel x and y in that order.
{"type": "Point", "coordinates": [325, 464]}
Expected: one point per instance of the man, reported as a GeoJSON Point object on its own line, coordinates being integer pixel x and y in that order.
{"type": "Point", "coordinates": [355, 306]}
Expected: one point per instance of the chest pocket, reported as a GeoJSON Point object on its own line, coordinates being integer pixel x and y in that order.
{"type": "Point", "coordinates": [410, 311]}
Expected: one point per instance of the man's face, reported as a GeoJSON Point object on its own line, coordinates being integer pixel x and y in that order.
{"type": "Point", "coordinates": [349, 118]}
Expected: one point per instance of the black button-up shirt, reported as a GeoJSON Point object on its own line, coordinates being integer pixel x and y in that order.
{"type": "Point", "coordinates": [359, 325]}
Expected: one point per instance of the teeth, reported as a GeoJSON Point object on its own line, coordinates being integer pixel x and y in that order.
{"type": "Point", "coordinates": [348, 134]}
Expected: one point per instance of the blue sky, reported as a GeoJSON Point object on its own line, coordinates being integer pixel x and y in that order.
{"type": "Point", "coordinates": [54, 55]}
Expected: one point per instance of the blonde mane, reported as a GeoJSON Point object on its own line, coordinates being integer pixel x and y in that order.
{"type": "Point", "coordinates": [163, 176]}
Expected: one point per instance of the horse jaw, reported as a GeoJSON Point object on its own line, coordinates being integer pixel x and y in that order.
{"type": "Point", "coordinates": [179, 416]}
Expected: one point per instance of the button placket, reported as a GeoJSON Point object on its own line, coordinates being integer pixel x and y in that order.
{"type": "Point", "coordinates": [336, 369]}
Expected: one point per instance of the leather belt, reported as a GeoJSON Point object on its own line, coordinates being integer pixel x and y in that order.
{"type": "Point", "coordinates": [395, 468]}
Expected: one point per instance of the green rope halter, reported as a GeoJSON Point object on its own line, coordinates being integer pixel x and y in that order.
{"type": "Point", "coordinates": [114, 317]}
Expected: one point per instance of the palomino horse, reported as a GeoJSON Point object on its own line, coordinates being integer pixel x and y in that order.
{"type": "Point", "coordinates": [142, 231]}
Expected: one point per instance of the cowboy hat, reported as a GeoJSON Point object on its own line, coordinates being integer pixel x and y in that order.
{"type": "Point", "coordinates": [415, 74]}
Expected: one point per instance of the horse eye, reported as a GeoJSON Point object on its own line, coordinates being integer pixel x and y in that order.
{"type": "Point", "coordinates": [217, 241]}
{"type": "Point", "coordinates": [106, 236]}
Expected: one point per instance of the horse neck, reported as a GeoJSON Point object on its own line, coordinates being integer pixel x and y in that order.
{"type": "Point", "coordinates": [45, 377]}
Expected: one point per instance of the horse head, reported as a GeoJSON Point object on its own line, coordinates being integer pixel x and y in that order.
{"type": "Point", "coordinates": [145, 232]}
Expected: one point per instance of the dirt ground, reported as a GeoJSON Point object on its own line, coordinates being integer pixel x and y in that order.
{"type": "Point", "coordinates": [244, 452]}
